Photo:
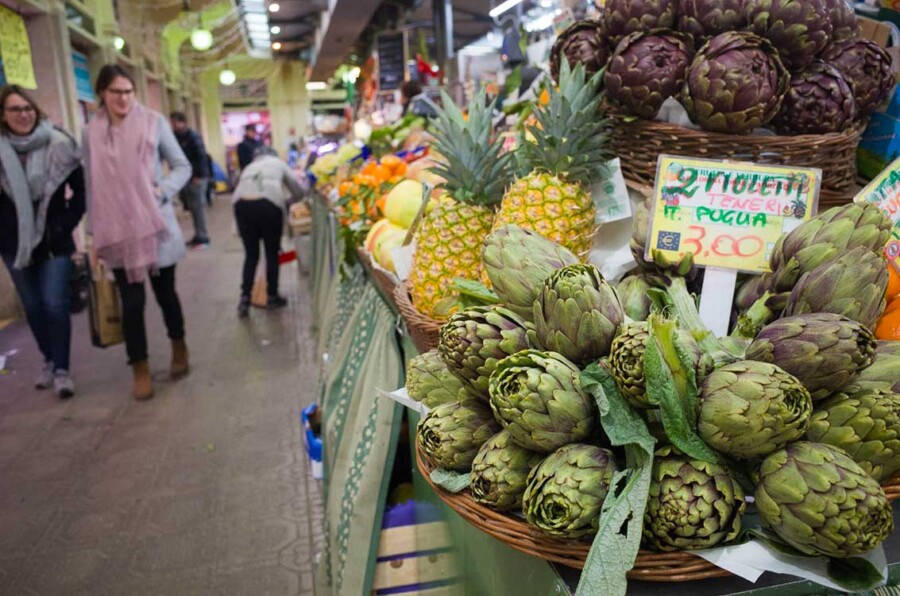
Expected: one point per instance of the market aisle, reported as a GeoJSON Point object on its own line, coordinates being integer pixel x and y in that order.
{"type": "Point", "coordinates": [203, 490]}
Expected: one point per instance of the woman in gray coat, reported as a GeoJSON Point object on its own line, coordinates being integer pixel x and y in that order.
{"type": "Point", "coordinates": [130, 211]}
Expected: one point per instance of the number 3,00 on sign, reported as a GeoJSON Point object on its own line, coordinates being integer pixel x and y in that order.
{"type": "Point", "coordinates": [729, 215]}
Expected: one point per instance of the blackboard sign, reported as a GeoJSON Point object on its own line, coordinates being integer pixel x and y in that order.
{"type": "Point", "coordinates": [391, 60]}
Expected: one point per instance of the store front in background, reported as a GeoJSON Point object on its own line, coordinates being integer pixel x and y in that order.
{"type": "Point", "coordinates": [233, 125]}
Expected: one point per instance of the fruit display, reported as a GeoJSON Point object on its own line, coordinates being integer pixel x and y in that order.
{"type": "Point", "coordinates": [797, 66]}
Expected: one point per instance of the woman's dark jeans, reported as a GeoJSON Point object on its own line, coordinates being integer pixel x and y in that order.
{"type": "Point", "coordinates": [44, 291]}
{"type": "Point", "coordinates": [134, 300]}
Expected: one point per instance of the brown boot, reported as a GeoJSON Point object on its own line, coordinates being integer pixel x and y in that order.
{"type": "Point", "coordinates": [180, 366]}
{"type": "Point", "coordinates": [143, 384]}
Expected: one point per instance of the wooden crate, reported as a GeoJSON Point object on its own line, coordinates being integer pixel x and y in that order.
{"type": "Point", "coordinates": [429, 559]}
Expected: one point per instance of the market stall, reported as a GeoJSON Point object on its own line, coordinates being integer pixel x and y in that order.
{"type": "Point", "coordinates": [648, 336]}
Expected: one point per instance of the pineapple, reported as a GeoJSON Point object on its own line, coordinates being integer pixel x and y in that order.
{"type": "Point", "coordinates": [565, 152]}
{"type": "Point", "coordinates": [449, 239]}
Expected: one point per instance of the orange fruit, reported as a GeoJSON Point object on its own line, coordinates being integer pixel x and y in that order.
{"type": "Point", "coordinates": [391, 162]}
{"type": "Point", "coordinates": [893, 289]}
{"type": "Point", "coordinates": [889, 325]}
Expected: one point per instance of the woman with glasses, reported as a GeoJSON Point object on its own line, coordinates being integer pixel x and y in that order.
{"type": "Point", "coordinates": [38, 163]}
{"type": "Point", "coordinates": [131, 216]}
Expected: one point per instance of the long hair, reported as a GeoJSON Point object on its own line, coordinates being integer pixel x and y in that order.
{"type": "Point", "coordinates": [17, 90]}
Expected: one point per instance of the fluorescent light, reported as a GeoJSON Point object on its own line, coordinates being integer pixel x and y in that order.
{"type": "Point", "coordinates": [261, 27]}
{"type": "Point", "coordinates": [542, 22]}
{"type": "Point", "coordinates": [274, 7]}
{"type": "Point", "coordinates": [503, 7]}
{"type": "Point", "coordinates": [256, 17]}
{"type": "Point", "coordinates": [316, 86]}
{"type": "Point", "coordinates": [275, 30]}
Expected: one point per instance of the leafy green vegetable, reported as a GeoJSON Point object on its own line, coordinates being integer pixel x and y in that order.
{"type": "Point", "coordinates": [450, 480]}
{"type": "Point", "coordinates": [618, 540]}
{"type": "Point", "coordinates": [672, 385]}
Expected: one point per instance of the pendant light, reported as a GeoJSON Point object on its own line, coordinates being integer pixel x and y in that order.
{"type": "Point", "coordinates": [201, 39]}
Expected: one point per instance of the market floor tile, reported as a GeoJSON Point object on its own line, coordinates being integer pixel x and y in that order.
{"type": "Point", "coordinates": [205, 489]}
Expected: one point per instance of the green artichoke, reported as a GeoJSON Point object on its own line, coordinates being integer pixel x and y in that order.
{"type": "Point", "coordinates": [707, 18]}
{"type": "Point", "coordinates": [576, 314]}
{"type": "Point", "coordinates": [472, 341]}
{"type": "Point", "coordinates": [824, 238]}
{"type": "Point", "coordinates": [821, 502]}
{"type": "Point", "coordinates": [883, 374]}
{"type": "Point", "coordinates": [844, 24]}
{"type": "Point", "coordinates": [692, 504]}
{"type": "Point", "coordinates": [867, 67]}
{"type": "Point", "coordinates": [824, 351]}
{"type": "Point", "coordinates": [865, 425]}
{"type": "Point", "coordinates": [735, 84]}
{"type": "Point", "coordinates": [820, 101]}
{"type": "Point", "coordinates": [633, 293]}
{"type": "Point", "coordinates": [626, 361]}
{"type": "Point", "coordinates": [853, 285]}
{"type": "Point", "coordinates": [537, 397]}
{"type": "Point", "coordinates": [582, 42]}
{"type": "Point", "coordinates": [451, 434]}
{"type": "Point", "coordinates": [428, 380]}
{"type": "Point", "coordinates": [750, 409]}
{"type": "Point", "coordinates": [799, 29]}
{"type": "Point", "coordinates": [517, 262]}
{"type": "Point", "coordinates": [647, 68]}
{"type": "Point", "coordinates": [621, 17]}
{"type": "Point", "coordinates": [565, 492]}
{"type": "Point", "coordinates": [750, 291]}
{"type": "Point", "coordinates": [500, 471]}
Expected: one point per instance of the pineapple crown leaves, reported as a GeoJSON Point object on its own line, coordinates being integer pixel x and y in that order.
{"type": "Point", "coordinates": [570, 137]}
{"type": "Point", "coordinates": [475, 171]}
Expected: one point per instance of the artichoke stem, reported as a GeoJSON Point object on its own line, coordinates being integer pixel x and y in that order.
{"type": "Point", "coordinates": [757, 316]}
{"type": "Point", "coordinates": [685, 310]}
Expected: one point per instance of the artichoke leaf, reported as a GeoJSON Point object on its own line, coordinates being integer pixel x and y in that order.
{"type": "Point", "coordinates": [618, 538]}
{"type": "Point", "coordinates": [451, 480]}
{"type": "Point", "coordinates": [672, 385]}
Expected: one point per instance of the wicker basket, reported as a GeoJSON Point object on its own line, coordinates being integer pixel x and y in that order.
{"type": "Point", "coordinates": [892, 487]}
{"type": "Point", "coordinates": [515, 532]}
{"type": "Point", "coordinates": [639, 143]}
{"type": "Point", "coordinates": [423, 330]}
{"type": "Point", "coordinates": [385, 283]}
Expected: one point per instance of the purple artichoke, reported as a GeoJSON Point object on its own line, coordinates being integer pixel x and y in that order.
{"type": "Point", "coordinates": [819, 101]}
{"type": "Point", "coordinates": [867, 67]}
{"type": "Point", "coordinates": [798, 29]}
{"type": "Point", "coordinates": [621, 17]}
{"type": "Point", "coordinates": [581, 42]}
{"type": "Point", "coordinates": [707, 18]}
{"type": "Point", "coordinates": [844, 24]}
{"type": "Point", "coordinates": [648, 68]}
{"type": "Point", "coordinates": [735, 84]}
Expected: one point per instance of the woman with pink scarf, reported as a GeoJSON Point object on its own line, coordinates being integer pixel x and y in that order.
{"type": "Point", "coordinates": [131, 215]}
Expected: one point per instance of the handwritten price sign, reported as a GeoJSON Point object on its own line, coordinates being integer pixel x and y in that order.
{"type": "Point", "coordinates": [884, 191]}
{"type": "Point", "coordinates": [728, 214]}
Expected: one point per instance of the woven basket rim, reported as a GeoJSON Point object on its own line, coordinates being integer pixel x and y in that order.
{"type": "Point", "coordinates": [516, 533]}
{"type": "Point", "coordinates": [409, 311]}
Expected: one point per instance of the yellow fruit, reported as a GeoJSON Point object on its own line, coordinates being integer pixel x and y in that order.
{"type": "Point", "coordinates": [448, 245]}
{"type": "Point", "coordinates": [559, 211]}
{"type": "Point", "coordinates": [403, 202]}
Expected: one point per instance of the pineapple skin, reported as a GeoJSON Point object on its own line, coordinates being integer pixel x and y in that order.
{"type": "Point", "coordinates": [559, 211]}
{"type": "Point", "coordinates": [448, 244]}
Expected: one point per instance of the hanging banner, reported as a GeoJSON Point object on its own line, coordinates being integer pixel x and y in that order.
{"type": "Point", "coordinates": [16, 50]}
{"type": "Point", "coordinates": [884, 191]}
{"type": "Point", "coordinates": [728, 214]}
{"type": "Point", "coordinates": [82, 77]}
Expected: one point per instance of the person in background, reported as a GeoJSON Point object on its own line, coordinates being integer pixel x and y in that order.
{"type": "Point", "coordinates": [408, 90]}
{"type": "Point", "coordinates": [247, 147]}
{"type": "Point", "coordinates": [193, 196]}
{"type": "Point", "coordinates": [38, 162]}
{"type": "Point", "coordinates": [293, 156]}
{"type": "Point", "coordinates": [260, 201]}
{"type": "Point", "coordinates": [131, 215]}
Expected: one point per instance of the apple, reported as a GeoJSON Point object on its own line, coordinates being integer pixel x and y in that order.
{"type": "Point", "coordinates": [403, 202]}
{"type": "Point", "coordinates": [379, 228]}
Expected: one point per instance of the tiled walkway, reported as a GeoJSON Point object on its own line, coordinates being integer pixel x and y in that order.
{"type": "Point", "coordinates": [203, 490]}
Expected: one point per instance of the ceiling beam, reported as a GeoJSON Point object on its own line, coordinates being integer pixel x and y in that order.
{"type": "Point", "coordinates": [337, 33]}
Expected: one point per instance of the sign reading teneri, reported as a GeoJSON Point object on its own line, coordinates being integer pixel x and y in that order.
{"type": "Point", "coordinates": [728, 214]}
{"type": "Point", "coordinates": [884, 191]}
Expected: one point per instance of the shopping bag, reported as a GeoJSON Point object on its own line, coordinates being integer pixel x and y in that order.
{"type": "Point", "coordinates": [106, 312]}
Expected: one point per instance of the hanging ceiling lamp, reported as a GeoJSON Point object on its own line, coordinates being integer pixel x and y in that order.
{"type": "Point", "coordinates": [227, 77]}
{"type": "Point", "coordinates": [201, 39]}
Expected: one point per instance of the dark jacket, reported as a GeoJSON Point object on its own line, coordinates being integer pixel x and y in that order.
{"type": "Point", "coordinates": [245, 150]}
{"type": "Point", "coordinates": [194, 150]}
{"type": "Point", "coordinates": [62, 217]}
